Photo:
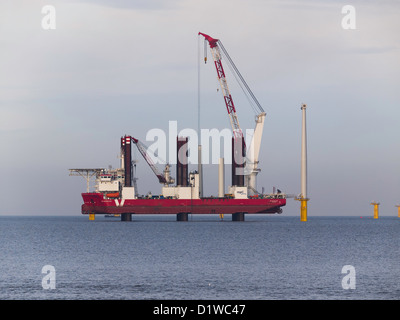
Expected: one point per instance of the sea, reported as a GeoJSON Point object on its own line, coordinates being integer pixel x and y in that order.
{"type": "Point", "coordinates": [266, 257]}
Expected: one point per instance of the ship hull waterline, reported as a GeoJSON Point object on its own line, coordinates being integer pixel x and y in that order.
{"type": "Point", "coordinates": [94, 203]}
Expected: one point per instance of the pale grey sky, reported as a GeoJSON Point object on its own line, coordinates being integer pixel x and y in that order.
{"type": "Point", "coordinates": [125, 67]}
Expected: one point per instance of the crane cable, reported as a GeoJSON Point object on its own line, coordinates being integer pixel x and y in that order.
{"type": "Point", "coordinates": [260, 109]}
{"type": "Point", "coordinates": [243, 89]}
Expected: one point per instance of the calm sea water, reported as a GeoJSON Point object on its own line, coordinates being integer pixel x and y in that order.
{"type": "Point", "coordinates": [152, 257]}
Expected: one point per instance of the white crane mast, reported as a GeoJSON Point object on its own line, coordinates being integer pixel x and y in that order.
{"type": "Point", "coordinates": [253, 153]}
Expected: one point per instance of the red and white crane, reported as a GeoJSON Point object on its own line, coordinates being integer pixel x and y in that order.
{"type": "Point", "coordinates": [230, 107]}
{"type": "Point", "coordinates": [251, 169]}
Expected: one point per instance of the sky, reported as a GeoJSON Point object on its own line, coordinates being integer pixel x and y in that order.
{"type": "Point", "coordinates": [111, 68]}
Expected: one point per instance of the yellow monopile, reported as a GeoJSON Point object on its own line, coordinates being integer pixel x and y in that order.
{"type": "Point", "coordinates": [303, 208]}
{"type": "Point", "coordinates": [376, 209]}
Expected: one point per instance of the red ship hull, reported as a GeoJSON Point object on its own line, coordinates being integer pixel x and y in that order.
{"type": "Point", "coordinates": [94, 203]}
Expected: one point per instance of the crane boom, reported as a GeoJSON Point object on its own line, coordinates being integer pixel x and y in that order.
{"type": "Point", "coordinates": [143, 150]}
{"type": "Point", "coordinates": [230, 107]}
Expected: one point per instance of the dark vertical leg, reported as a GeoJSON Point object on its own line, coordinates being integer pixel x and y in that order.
{"type": "Point", "coordinates": [238, 216]}
{"type": "Point", "coordinates": [183, 216]}
{"type": "Point", "coordinates": [126, 217]}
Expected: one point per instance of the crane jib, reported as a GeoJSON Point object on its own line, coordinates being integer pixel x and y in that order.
{"type": "Point", "coordinates": [142, 149]}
